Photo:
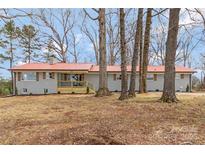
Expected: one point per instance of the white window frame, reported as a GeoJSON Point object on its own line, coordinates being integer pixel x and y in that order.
{"type": "Point", "coordinates": [150, 77]}
{"type": "Point", "coordinates": [49, 75]}
{"type": "Point", "coordinates": [25, 91]}
{"type": "Point", "coordinates": [119, 77]}
{"type": "Point", "coordinates": [26, 73]}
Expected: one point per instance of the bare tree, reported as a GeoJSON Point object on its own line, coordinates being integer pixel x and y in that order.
{"type": "Point", "coordinates": [186, 46]}
{"type": "Point", "coordinates": [135, 53]}
{"type": "Point", "coordinates": [158, 40]}
{"type": "Point", "coordinates": [171, 45]}
{"type": "Point", "coordinates": [113, 36]}
{"type": "Point", "coordinates": [141, 60]}
{"type": "Point", "coordinates": [74, 42]}
{"type": "Point", "coordinates": [91, 32]}
{"type": "Point", "coordinates": [146, 49]}
{"type": "Point", "coordinates": [123, 57]}
{"type": "Point", "coordinates": [131, 23]}
{"type": "Point", "coordinates": [19, 13]}
{"type": "Point", "coordinates": [187, 42]}
{"type": "Point", "coordinates": [103, 86]}
{"type": "Point", "coordinates": [56, 27]}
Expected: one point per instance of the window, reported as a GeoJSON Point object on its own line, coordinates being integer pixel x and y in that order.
{"type": "Point", "coordinates": [119, 77]}
{"type": "Point", "coordinates": [29, 76]}
{"type": "Point", "coordinates": [155, 77]}
{"type": "Point", "coordinates": [182, 76]}
{"type": "Point", "coordinates": [44, 75]}
{"type": "Point", "coordinates": [48, 75]}
{"type": "Point", "coordinates": [25, 90]}
{"type": "Point", "coordinates": [150, 76]}
{"type": "Point", "coordinates": [66, 77]}
{"type": "Point", "coordinates": [37, 76]}
{"type": "Point", "coordinates": [114, 77]}
{"type": "Point", "coordinates": [45, 91]}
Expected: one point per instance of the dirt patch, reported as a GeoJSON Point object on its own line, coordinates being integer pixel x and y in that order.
{"type": "Point", "coordinates": [85, 119]}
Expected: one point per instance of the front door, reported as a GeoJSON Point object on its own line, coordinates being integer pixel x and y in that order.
{"type": "Point", "coordinates": [77, 77]}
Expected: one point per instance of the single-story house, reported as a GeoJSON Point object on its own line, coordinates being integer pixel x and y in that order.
{"type": "Point", "coordinates": [41, 78]}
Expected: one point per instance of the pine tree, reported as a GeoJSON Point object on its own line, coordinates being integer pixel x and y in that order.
{"type": "Point", "coordinates": [10, 33]}
{"type": "Point", "coordinates": [29, 41]}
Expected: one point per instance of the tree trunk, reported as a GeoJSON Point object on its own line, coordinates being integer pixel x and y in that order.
{"type": "Point", "coordinates": [64, 59]}
{"type": "Point", "coordinates": [141, 60]}
{"type": "Point", "coordinates": [11, 65]}
{"type": "Point", "coordinates": [135, 53]}
{"type": "Point", "coordinates": [171, 44]}
{"type": "Point", "coordinates": [29, 51]}
{"type": "Point", "coordinates": [96, 55]}
{"type": "Point", "coordinates": [146, 49]}
{"type": "Point", "coordinates": [123, 57]}
{"type": "Point", "coordinates": [112, 57]}
{"type": "Point", "coordinates": [103, 88]}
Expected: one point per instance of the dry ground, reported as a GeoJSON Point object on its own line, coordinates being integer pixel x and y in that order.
{"type": "Point", "coordinates": [85, 119]}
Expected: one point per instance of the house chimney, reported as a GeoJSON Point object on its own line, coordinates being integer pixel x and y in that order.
{"type": "Point", "coordinates": [51, 59]}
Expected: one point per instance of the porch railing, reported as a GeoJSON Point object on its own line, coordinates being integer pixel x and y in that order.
{"type": "Point", "coordinates": [72, 84]}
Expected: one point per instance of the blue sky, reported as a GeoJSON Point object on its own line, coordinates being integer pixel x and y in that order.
{"type": "Point", "coordinates": [85, 47]}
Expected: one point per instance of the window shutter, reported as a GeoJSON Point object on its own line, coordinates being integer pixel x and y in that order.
{"type": "Point", "coordinates": [19, 76]}
{"type": "Point", "coordinates": [37, 76]}
{"type": "Point", "coordinates": [44, 75]}
{"type": "Point", "coordinates": [182, 76]}
{"type": "Point", "coordinates": [53, 75]}
{"type": "Point", "coordinates": [155, 77]}
{"type": "Point", "coordinates": [114, 77]}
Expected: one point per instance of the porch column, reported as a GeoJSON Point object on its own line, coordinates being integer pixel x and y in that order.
{"type": "Point", "coordinates": [14, 84]}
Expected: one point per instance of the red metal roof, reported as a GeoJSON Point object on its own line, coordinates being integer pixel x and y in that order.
{"type": "Point", "coordinates": [88, 67]}
{"type": "Point", "coordinates": [117, 68]}
{"type": "Point", "coordinates": [56, 66]}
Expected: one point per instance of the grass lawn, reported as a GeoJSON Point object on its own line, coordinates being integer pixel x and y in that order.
{"type": "Point", "coordinates": [85, 119]}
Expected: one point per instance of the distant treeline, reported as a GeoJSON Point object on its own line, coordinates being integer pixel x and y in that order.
{"type": "Point", "coordinates": [5, 87]}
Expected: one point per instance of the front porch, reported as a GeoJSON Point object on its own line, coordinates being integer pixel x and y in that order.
{"type": "Point", "coordinates": [73, 82]}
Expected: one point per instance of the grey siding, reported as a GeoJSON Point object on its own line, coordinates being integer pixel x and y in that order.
{"type": "Point", "coordinates": [37, 87]}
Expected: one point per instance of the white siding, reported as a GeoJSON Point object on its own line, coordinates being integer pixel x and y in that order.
{"type": "Point", "coordinates": [37, 87]}
{"type": "Point", "coordinates": [115, 85]}
{"type": "Point", "coordinates": [181, 84]}
{"type": "Point", "coordinates": [156, 85]}
{"type": "Point", "coordinates": [93, 79]}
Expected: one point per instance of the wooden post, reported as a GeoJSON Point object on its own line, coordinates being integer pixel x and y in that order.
{"type": "Point", "coordinates": [14, 84]}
